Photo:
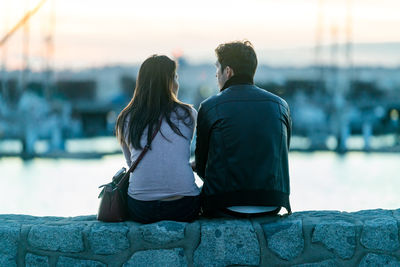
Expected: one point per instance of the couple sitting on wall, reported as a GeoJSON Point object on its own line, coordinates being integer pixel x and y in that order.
{"type": "Point", "coordinates": [243, 135]}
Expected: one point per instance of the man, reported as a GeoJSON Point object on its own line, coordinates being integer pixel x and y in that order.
{"type": "Point", "coordinates": [243, 136]}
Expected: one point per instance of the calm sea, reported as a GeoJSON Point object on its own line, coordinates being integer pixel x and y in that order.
{"type": "Point", "coordinates": [319, 181]}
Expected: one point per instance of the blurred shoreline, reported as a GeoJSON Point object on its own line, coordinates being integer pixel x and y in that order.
{"type": "Point", "coordinates": [98, 147]}
{"type": "Point", "coordinates": [333, 108]}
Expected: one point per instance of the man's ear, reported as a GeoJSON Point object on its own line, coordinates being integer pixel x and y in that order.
{"type": "Point", "coordinates": [229, 72]}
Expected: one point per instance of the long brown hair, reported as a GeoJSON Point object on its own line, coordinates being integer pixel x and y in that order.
{"type": "Point", "coordinates": [153, 99]}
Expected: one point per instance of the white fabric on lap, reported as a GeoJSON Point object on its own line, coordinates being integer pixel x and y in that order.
{"type": "Point", "coordinates": [251, 209]}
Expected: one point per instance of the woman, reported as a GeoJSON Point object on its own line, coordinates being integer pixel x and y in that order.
{"type": "Point", "coordinates": [162, 187]}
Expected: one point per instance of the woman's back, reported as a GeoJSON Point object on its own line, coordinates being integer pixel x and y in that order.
{"type": "Point", "coordinates": [162, 187]}
{"type": "Point", "coordinates": [165, 171]}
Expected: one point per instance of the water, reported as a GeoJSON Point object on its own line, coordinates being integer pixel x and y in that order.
{"type": "Point", "coordinates": [328, 181]}
{"type": "Point", "coordinates": [319, 181]}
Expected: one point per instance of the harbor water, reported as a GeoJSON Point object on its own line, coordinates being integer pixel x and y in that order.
{"type": "Point", "coordinates": [319, 181]}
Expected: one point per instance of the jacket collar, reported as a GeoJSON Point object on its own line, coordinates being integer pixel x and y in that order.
{"type": "Point", "coordinates": [237, 79]}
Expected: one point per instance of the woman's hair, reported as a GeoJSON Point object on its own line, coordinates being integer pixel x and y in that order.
{"type": "Point", "coordinates": [153, 99]}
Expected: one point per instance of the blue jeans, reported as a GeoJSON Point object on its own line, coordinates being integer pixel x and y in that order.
{"type": "Point", "coordinates": [185, 209]}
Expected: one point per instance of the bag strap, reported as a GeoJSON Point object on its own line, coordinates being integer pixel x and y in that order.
{"type": "Point", "coordinates": [144, 151]}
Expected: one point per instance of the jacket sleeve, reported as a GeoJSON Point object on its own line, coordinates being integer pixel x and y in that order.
{"type": "Point", "coordinates": [287, 120]}
{"type": "Point", "coordinates": [289, 130]}
{"type": "Point", "coordinates": [202, 142]}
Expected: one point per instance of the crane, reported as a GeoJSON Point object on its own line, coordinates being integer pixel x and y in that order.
{"type": "Point", "coordinates": [49, 44]}
{"type": "Point", "coordinates": [21, 22]}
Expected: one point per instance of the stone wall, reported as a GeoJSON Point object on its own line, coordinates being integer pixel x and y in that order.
{"type": "Point", "coordinates": [315, 238]}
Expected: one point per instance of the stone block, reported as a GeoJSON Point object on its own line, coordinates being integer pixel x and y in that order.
{"type": "Point", "coordinates": [370, 214]}
{"type": "Point", "coordinates": [28, 219]}
{"type": "Point", "coordinates": [72, 262]}
{"type": "Point", "coordinates": [15, 217]}
{"type": "Point", "coordinates": [160, 257]}
{"type": "Point", "coordinates": [7, 260]}
{"type": "Point", "coordinates": [310, 218]}
{"type": "Point", "coordinates": [321, 214]}
{"type": "Point", "coordinates": [374, 260]}
{"type": "Point", "coordinates": [337, 236]}
{"type": "Point", "coordinates": [32, 260]}
{"type": "Point", "coordinates": [229, 242]}
{"type": "Point", "coordinates": [380, 233]}
{"type": "Point", "coordinates": [84, 218]}
{"type": "Point", "coordinates": [396, 214]}
{"type": "Point", "coordinates": [325, 263]}
{"type": "Point", "coordinates": [106, 239]}
{"type": "Point", "coordinates": [9, 238]}
{"type": "Point", "coordinates": [64, 238]}
{"type": "Point", "coordinates": [163, 232]}
{"type": "Point", "coordinates": [285, 238]}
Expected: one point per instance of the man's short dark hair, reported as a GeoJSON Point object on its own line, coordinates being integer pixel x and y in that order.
{"type": "Point", "coordinates": [238, 55]}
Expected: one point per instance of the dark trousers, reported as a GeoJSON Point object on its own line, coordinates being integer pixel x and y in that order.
{"type": "Point", "coordinates": [185, 209]}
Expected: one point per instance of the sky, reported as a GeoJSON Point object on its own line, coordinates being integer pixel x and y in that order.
{"type": "Point", "coordinates": [99, 32]}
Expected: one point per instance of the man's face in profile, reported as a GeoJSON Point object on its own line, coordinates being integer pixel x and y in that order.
{"type": "Point", "coordinates": [221, 75]}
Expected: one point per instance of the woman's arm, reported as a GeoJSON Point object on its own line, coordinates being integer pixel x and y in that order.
{"type": "Point", "coordinates": [127, 153]}
{"type": "Point", "coordinates": [201, 152]}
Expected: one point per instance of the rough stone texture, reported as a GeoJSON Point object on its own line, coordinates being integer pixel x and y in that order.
{"type": "Point", "coordinates": [325, 263]}
{"type": "Point", "coordinates": [32, 260]}
{"type": "Point", "coordinates": [366, 214]}
{"type": "Point", "coordinates": [396, 215]}
{"type": "Point", "coordinates": [380, 233]}
{"type": "Point", "coordinates": [375, 260]}
{"type": "Point", "coordinates": [285, 238]}
{"type": "Point", "coordinates": [83, 241]}
{"type": "Point", "coordinates": [28, 219]}
{"type": "Point", "coordinates": [9, 237]}
{"type": "Point", "coordinates": [6, 260]}
{"type": "Point", "coordinates": [317, 216]}
{"type": "Point", "coordinates": [160, 257]}
{"type": "Point", "coordinates": [109, 238]}
{"type": "Point", "coordinates": [71, 262]}
{"type": "Point", "coordinates": [339, 236]}
{"type": "Point", "coordinates": [64, 238]}
{"type": "Point", "coordinates": [84, 218]}
{"type": "Point", "coordinates": [223, 243]}
{"type": "Point", "coordinates": [163, 232]}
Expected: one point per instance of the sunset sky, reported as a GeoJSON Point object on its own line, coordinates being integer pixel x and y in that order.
{"type": "Point", "coordinates": [99, 32]}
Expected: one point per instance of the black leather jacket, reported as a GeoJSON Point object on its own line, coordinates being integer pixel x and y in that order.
{"type": "Point", "coordinates": [243, 137]}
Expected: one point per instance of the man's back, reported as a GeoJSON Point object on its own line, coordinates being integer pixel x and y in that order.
{"type": "Point", "coordinates": [243, 137]}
